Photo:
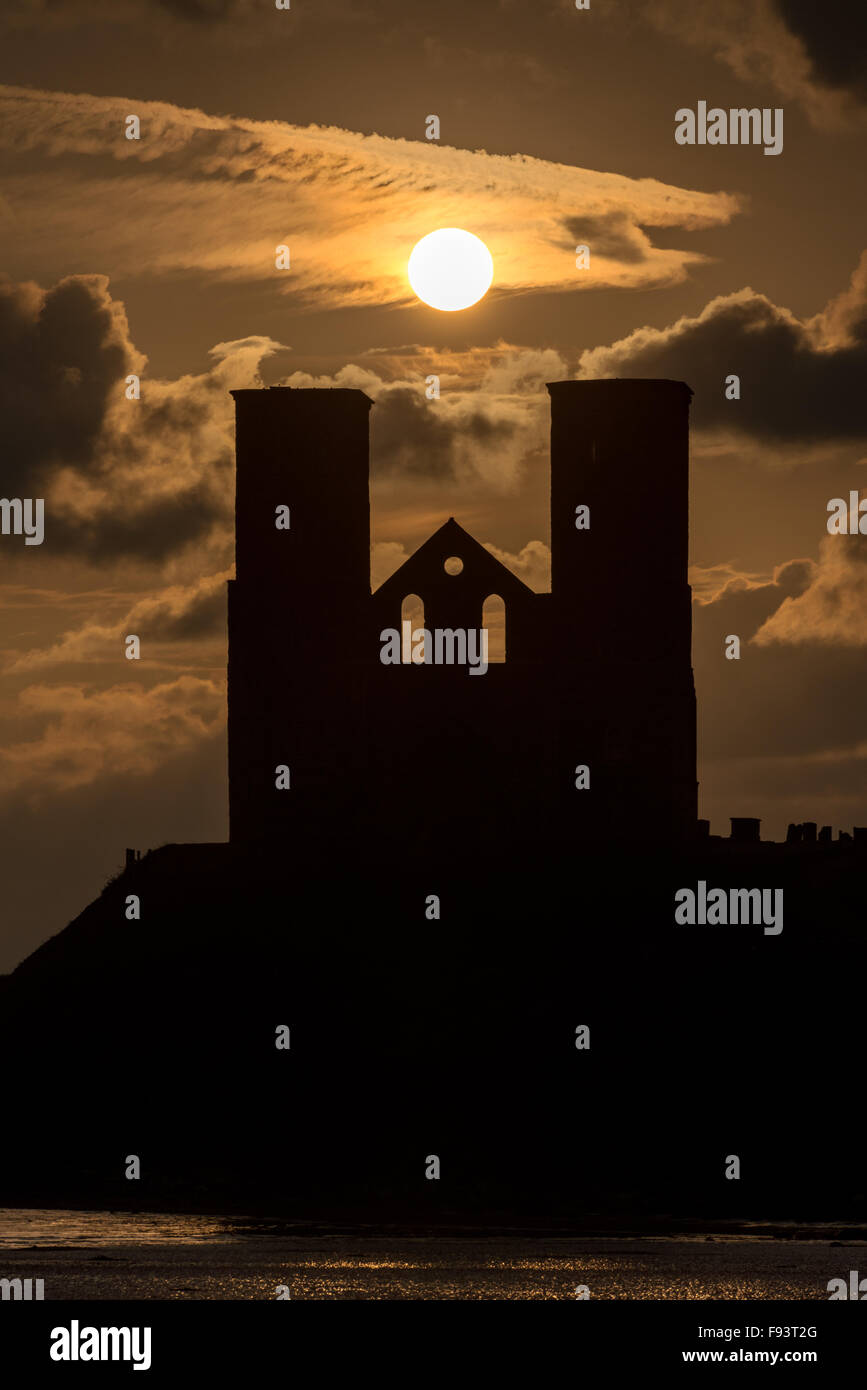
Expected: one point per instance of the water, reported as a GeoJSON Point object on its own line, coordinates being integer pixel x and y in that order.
{"type": "Point", "coordinates": [35, 1227]}
{"type": "Point", "coordinates": [101, 1255]}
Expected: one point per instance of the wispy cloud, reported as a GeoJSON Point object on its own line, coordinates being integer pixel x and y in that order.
{"type": "Point", "coordinates": [178, 613]}
{"type": "Point", "coordinates": [809, 54]}
{"type": "Point", "coordinates": [216, 195]}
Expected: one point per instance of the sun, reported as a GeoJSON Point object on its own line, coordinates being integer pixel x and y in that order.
{"type": "Point", "coordinates": [450, 269]}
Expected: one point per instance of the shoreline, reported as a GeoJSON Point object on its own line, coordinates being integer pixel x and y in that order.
{"type": "Point", "coordinates": [341, 1267]}
{"type": "Point", "coordinates": [271, 1224]}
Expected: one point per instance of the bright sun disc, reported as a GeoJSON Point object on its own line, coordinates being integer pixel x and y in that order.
{"type": "Point", "coordinates": [450, 269]}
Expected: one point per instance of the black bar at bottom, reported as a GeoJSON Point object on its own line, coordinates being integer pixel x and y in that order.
{"type": "Point", "coordinates": [225, 1337]}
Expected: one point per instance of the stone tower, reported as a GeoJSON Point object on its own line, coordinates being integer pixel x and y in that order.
{"type": "Point", "coordinates": [597, 673]}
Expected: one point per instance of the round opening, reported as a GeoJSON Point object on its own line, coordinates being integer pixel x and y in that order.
{"type": "Point", "coordinates": [453, 565]}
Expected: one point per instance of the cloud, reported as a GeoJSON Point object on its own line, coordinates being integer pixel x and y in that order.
{"type": "Point", "coordinates": [414, 436]}
{"type": "Point", "coordinates": [810, 54]}
{"type": "Point", "coordinates": [151, 480]}
{"type": "Point", "coordinates": [63, 352]}
{"type": "Point", "coordinates": [177, 614]}
{"type": "Point", "coordinates": [798, 691]}
{"type": "Point", "coordinates": [125, 729]}
{"type": "Point", "coordinates": [832, 609]}
{"type": "Point", "coordinates": [385, 558]}
{"type": "Point", "coordinates": [161, 476]}
{"type": "Point", "coordinates": [70, 14]}
{"type": "Point", "coordinates": [216, 195]}
{"type": "Point", "coordinates": [793, 697]}
{"type": "Point", "coordinates": [615, 237]}
{"type": "Point", "coordinates": [120, 478]}
{"type": "Point", "coordinates": [745, 601]}
{"type": "Point", "coordinates": [205, 9]}
{"type": "Point", "coordinates": [835, 41]}
{"type": "Point", "coordinates": [492, 412]}
{"type": "Point", "coordinates": [532, 564]}
{"type": "Point", "coordinates": [801, 380]}
{"type": "Point", "coordinates": [203, 15]}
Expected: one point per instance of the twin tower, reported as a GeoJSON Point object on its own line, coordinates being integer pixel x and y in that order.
{"type": "Point", "coordinates": [585, 735]}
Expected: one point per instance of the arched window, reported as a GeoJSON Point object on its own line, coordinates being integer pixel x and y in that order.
{"type": "Point", "coordinates": [494, 619]}
{"type": "Point", "coordinates": [412, 612]}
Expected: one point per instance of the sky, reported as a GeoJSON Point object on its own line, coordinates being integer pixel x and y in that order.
{"type": "Point", "coordinates": [306, 126]}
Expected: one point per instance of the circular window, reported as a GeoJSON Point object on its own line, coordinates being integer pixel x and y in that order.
{"type": "Point", "coordinates": [453, 565]}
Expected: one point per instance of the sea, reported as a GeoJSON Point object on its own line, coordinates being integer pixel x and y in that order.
{"type": "Point", "coordinates": [122, 1255]}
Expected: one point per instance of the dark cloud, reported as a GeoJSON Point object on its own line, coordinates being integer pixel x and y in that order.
{"type": "Point", "coordinates": [835, 37]}
{"type": "Point", "coordinates": [411, 437]}
{"type": "Point", "coordinates": [615, 237]}
{"type": "Point", "coordinates": [120, 478]}
{"type": "Point", "coordinates": [745, 605]}
{"type": "Point", "coordinates": [800, 380]}
{"type": "Point", "coordinates": [204, 9]}
{"type": "Point", "coordinates": [152, 532]}
{"type": "Point", "coordinates": [205, 615]}
{"type": "Point", "coordinates": [781, 731]}
{"type": "Point", "coordinates": [784, 697]}
{"type": "Point", "coordinates": [62, 353]}
{"type": "Point", "coordinates": [72, 12]}
{"type": "Point", "coordinates": [489, 421]}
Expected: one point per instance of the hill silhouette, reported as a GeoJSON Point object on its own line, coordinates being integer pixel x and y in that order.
{"type": "Point", "coordinates": [456, 1038]}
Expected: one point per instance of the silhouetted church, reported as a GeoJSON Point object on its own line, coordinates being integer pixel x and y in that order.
{"type": "Point", "coordinates": [597, 673]}
{"type": "Point", "coordinates": [453, 1035]}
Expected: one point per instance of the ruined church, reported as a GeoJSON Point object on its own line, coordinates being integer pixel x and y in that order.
{"type": "Point", "coordinates": [583, 735]}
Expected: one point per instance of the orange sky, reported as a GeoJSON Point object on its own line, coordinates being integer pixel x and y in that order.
{"type": "Point", "coordinates": [307, 126]}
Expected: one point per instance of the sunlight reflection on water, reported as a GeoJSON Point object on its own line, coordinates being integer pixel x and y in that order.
{"type": "Point", "coordinates": [39, 1227]}
{"type": "Point", "coordinates": [101, 1255]}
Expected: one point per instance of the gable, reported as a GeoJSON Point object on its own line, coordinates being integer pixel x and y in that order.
{"type": "Point", "coordinates": [424, 572]}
